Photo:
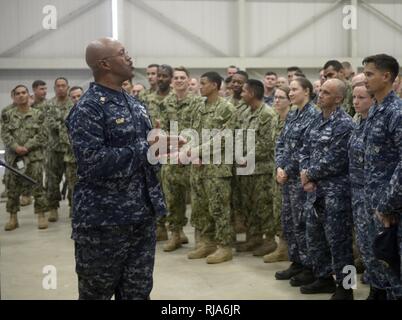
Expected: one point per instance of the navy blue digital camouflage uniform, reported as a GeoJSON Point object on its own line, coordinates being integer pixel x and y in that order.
{"type": "Point", "coordinates": [383, 168]}
{"type": "Point", "coordinates": [269, 100]}
{"type": "Point", "coordinates": [365, 224]}
{"type": "Point", "coordinates": [329, 215]}
{"type": "Point", "coordinates": [293, 196]}
{"type": "Point", "coordinates": [117, 197]}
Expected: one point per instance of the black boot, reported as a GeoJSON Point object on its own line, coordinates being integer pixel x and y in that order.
{"type": "Point", "coordinates": [377, 294]}
{"type": "Point", "coordinates": [342, 294]}
{"type": "Point", "coordinates": [294, 269]}
{"type": "Point", "coordinates": [321, 285]}
{"type": "Point", "coordinates": [303, 278]}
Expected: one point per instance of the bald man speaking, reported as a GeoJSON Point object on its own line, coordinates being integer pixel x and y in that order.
{"type": "Point", "coordinates": [117, 197]}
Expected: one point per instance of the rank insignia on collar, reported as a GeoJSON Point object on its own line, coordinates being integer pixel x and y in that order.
{"type": "Point", "coordinates": [120, 121]}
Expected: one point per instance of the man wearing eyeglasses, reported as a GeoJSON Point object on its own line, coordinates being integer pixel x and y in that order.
{"type": "Point", "coordinates": [117, 198]}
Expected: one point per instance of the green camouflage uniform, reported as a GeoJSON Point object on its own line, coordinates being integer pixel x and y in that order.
{"type": "Point", "coordinates": [42, 106]}
{"type": "Point", "coordinates": [277, 190]}
{"type": "Point", "coordinates": [69, 161]}
{"type": "Point", "coordinates": [25, 130]}
{"type": "Point", "coordinates": [256, 188]}
{"type": "Point", "coordinates": [238, 216]}
{"type": "Point", "coordinates": [348, 101]}
{"type": "Point", "coordinates": [153, 103]}
{"type": "Point", "coordinates": [176, 178]}
{"type": "Point", "coordinates": [6, 151]}
{"type": "Point", "coordinates": [55, 166]}
{"type": "Point", "coordinates": [143, 95]}
{"type": "Point", "coordinates": [211, 183]}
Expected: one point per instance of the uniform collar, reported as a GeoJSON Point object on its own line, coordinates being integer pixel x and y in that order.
{"type": "Point", "coordinates": [389, 98]}
{"type": "Point", "coordinates": [108, 94]}
{"type": "Point", "coordinates": [333, 115]}
{"type": "Point", "coordinates": [305, 109]}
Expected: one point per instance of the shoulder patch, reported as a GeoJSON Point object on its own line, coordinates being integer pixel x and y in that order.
{"type": "Point", "coordinates": [5, 118]}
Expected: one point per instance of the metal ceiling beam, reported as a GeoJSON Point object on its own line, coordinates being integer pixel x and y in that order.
{"type": "Point", "coordinates": [42, 33]}
{"type": "Point", "coordinates": [176, 27]}
{"type": "Point", "coordinates": [392, 23]}
{"type": "Point", "coordinates": [299, 28]}
{"type": "Point", "coordinates": [192, 63]}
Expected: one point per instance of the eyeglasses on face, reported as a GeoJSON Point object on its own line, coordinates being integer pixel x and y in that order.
{"type": "Point", "coordinates": [122, 53]}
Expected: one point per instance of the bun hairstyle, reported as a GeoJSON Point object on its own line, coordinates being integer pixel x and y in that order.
{"type": "Point", "coordinates": [305, 84]}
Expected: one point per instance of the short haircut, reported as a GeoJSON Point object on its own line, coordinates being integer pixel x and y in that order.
{"type": "Point", "coordinates": [214, 77]}
{"type": "Point", "coordinates": [60, 78]}
{"type": "Point", "coordinates": [233, 67]}
{"type": "Point", "coordinates": [346, 65]}
{"type": "Point", "coordinates": [38, 83]}
{"type": "Point", "coordinates": [153, 65]}
{"type": "Point", "coordinates": [384, 62]}
{"type": "Point", "coordinates": [19, 86]}
{"type": "Point", "coordinates": [183, 69]}
{"type": "Point", "coordinates": [75, 88]}
{"type": "Point", "coordinates": [167, 68]}
{"type": "Point", "coordinates": [285, 89]}
{"type": "Point", "coordinates": [271, 73]}
{"type": "Point", "coordinates": [228, 80]}
{"type": "Point", "coordinates": [256, 87]}
{"type": "Point", "coordinates": [341, 88]}
{"type": "Point", "coordinates": [305, 84]}
{"type": "Point", "coordinates": [294, 68]}
{"type": "Point", "coordinates": [299, 74]}
{"type": "Point", "coordinates": [335, 64]}
{"type": "Point", "coordinates": [243, 73]}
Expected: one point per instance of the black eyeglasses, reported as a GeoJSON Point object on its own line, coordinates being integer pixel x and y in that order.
{"type": "Point", "coordinates": [122, 53]}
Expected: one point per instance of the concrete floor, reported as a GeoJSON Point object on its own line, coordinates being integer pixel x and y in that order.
{"type": "Point", "coordinates": [27, 250]}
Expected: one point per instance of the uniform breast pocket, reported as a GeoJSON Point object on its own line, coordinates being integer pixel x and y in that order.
{"type": "Point", "coordinates": [323, 142]}
{"type": "Point", "coordinates": [121, 135]}
{"type": "Point", "coordinates": [196, 121]}
{"type": "Point", "coordinates": [33, 127]}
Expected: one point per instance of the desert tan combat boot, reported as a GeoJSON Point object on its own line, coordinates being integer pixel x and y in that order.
{"type": "Point", "coordinates": [280, 254]}
{"type": "Point", "coordinates": [173, 243]}
{"type": "Point", "coordinates": [252, 243]}
{"type": "Point", "coordinates": [224, 253]}
{"type": "Point", "coordinates": [267, 246]}
{"type": "Point", "coordinates": [42, 221]}
{"type": "Point", "coordinates": [53, 216]}
{"type": "Point", "coordinates": [205, 248]}
{"type": "Point", "coordinates": [161, 233]}
{"type": "Point", "coordinates": [183, 237]}
{"type": "Point", "coordinates": [12, 224]}
{"type": "Point", "coordinates": [25, 201]}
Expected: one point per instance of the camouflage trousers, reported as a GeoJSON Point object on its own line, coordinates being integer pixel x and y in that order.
{"type": "Point", "coordinates": [176, 185]}
{"type": "Point", "coordinates": [238, 216]}
{"type": "Point", "coordinates": [7, 174]}
{"type": "Point", "coordinates": [116, 260]}
{"type": "Point", "coordinates": [55, 168]}
{"type": "Point", "coordinates": [293, 220]}
{"type": "Point", "coordinates": [367, 227]}
{"type": "Point", "coordinates": [256, 200]}
{"type": "Point", "coordinates": [71, 177]}
{"type": "Point", "coordinates": [17, 187]}
{"type": "Point", "coordinates": [277, 206]}
{"type": "Point", "coordinates": [210, 208]}
{"type": "Point", "coordinates": [161, 221]}
{"type": "Point", "coordinates": [329, 233]}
